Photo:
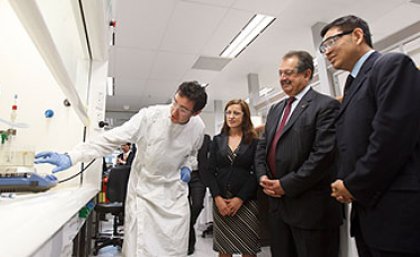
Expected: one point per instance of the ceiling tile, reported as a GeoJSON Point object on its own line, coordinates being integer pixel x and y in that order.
{"type": "Point", "coordinates": [154, 88]}
{"type": "Point", "coordinates": [202, 76]}
{"type": "Point", "coordinates": [171, 65]}
{"type": "Point", "coordinates": [211, 63]}
{"type": "Point", "coordinates": [133, 63]}
{"type": "Point", "coordinates": [386, 25]}
{"type": "Point", "coordinates": [229, 27]}
{"type": "Point", "coordinates": [224, 3]}
{"type": "Point", "coordinates": [191, 26]}
{"type": "Point", "coordinates": [270, 7]}
{"type": "Point", "coordinates": [142, 23]}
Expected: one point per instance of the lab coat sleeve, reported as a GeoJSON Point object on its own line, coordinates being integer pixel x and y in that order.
{"type": "Point", "coordinates": [191, 162]}
{"type": "Point", "coordinates": [105, 143]}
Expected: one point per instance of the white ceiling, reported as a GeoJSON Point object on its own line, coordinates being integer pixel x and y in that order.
{"type": "Point", "coordinates": [158, 41]}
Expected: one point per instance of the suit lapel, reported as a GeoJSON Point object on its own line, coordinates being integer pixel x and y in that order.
{"type": "Point", "coordinates": [223, 145]}
{"type": "Point", "coordinates": [358, 81]}
{"type": "Point", "coordinates": [243, 147]}
{"type": "Point", "coordinates": [302, 105]}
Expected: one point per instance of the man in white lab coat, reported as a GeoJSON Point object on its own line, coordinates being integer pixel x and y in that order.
{"type": "Point", "coordinates": [169, 136]}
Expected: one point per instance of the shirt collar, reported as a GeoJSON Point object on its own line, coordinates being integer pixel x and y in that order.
{"type": "Point", "coordinates": [360, 63]}
{"type": "Point", "coordinates": [302, 93]}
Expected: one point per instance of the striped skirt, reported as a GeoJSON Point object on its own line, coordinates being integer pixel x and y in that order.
{"type": "Point", "coordinates": [238, 234]}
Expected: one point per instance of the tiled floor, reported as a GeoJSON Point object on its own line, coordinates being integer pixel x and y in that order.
{"type": "Point", "coordinates": [203, 248]}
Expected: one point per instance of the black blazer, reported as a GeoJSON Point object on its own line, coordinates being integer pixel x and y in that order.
{"type": "Point", "coordinates": [304, 162]}
{"type": "Point", "coordinates": [203, 161]}
{"type": "Point", "coordinates": [378, 137]}
{"type": "Point", "coordinates": [238, 178]}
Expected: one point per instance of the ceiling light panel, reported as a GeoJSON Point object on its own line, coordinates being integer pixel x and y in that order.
{"type": "Point", "coordinates": [254, 27]}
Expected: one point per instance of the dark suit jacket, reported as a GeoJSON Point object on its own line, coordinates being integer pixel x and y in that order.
{"type": "Point", "coordinates": [203, 161]}
{"type": "Point", "coordinates": [378, 137]}
{"type": "Point", "coordinates": [129, 160]}
{"type": "Point", "coordinates": [304, 159]}
{"type": "Point", "coordinates": [238, 178]}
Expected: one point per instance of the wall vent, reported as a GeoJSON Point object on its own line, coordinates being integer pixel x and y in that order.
{"type": "Point", "coordinates": [211, 63]}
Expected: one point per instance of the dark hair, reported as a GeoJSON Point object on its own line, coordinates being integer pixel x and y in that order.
{"type": "Point", "coordinates": [194, 92]}
{"type": "Point", "coordinates": [305, 61]}
{"type": "Point", "coordinates": [248, 130]}
{"type": "Point", "coordinates": [349, 23]}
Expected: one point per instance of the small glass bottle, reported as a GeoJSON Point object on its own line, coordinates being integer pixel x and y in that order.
{"type": "Point", "coordinates": [13, 114]}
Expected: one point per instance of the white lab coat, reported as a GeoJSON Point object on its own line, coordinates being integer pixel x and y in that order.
{"type": "Point", "coordinates": [157, 209]}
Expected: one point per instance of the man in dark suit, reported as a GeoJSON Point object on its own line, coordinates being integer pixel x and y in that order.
{"type": "Point", "coordinates": [294, 165]}
{"type": "Point", "coordinates": [378, 140]}
{"type": "Point", "coordinates": [197, 189]}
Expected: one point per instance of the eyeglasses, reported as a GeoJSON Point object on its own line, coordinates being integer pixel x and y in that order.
{"type": "Point", "coordinates": [287, 73]}
{"type": "Point", "coordinates": [234, 113]}
{"type": "Point", "coordinates": [182, 110]}
{"type": "Point", "coordinates": [331, 41]}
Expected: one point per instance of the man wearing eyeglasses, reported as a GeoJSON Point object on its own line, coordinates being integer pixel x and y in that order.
{"type": "Point", "coordinates": [378, 140]}
{"type": "Point", "coordinates": [157, 210]}
{"type": "Point", "coordinates": [294, 165]}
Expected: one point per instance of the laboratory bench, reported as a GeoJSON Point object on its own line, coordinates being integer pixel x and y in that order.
{"type": "Point", "coordinates": [45, 224]}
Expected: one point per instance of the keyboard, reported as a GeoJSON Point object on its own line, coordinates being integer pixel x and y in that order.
{"type": "Point", "coordinates": [26, 182]}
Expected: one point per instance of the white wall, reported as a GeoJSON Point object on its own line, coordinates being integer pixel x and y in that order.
{"type": "Point", "coordinates": [208, 118]}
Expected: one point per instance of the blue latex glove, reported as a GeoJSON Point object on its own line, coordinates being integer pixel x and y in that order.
{"type": "Point", "coordinates": [62, 161]}
{"type": "Point", "coordinates": [185, 174]}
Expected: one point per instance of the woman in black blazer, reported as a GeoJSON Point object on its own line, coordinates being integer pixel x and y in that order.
{"type": "Point", "coordinates": [233, 184]}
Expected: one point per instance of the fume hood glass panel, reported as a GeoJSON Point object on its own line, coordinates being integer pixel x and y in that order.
{"type": "Point", "coordinates": [27, 82]}
{"type": "Point", "coordinates": [64, 22]}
